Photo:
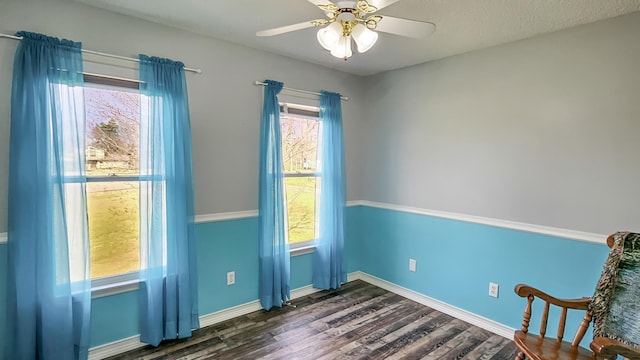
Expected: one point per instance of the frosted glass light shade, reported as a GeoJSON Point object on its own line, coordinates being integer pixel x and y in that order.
{"type": "Point", "coordinates": [343, 47]}
{"type": "Point", "coordinates": [328, 36]}
{"type": "Point", "coordinates": [365, 38]}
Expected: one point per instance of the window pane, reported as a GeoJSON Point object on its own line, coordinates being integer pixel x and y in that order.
{"type": "Point", "coordinates": [113, 131]}
{"type": "Point", "coordinates": [113, 227]}
{"type": "Point", "coordinates": [301, 206]}
{"type": "Point", "coordinates": [112, 137]}
{"type": "Point", "coordinates": [299, 143]}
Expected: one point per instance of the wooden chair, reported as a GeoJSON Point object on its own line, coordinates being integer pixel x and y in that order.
{"type": "Point", "coordinates": [604, 345]}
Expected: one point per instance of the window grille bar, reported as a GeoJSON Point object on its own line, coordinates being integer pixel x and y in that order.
{"type": "Point", "coordinates": [297, 175]}
{"type": "Point", "coordinates": [115, 178]}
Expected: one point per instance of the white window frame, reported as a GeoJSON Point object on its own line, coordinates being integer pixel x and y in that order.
{"type": "Point", "coordinates": [129, 281]}
{"type": "Point", "coordinates": [308, 112]}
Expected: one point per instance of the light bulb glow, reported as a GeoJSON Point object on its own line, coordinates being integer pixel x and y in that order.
{"type": "Point", "coordinates": [328, 36]}
{"type": "Point", "coordinates": [342, 48]}
{"type": "Point", "coordinates": [365, 38]}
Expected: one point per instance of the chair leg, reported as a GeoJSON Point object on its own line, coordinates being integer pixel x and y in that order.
{"type": "Point", "coordinates": [520, 356]}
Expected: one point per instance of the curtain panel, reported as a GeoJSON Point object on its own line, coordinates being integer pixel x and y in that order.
{"type": "Point", "coordinates": [48, 283]}
{"type": "Point", "coordinates": [274, 288]}
{"type": "Point", "coordinates": [168, 277]}
{"type": "Point", "coordinates": [329, 269]}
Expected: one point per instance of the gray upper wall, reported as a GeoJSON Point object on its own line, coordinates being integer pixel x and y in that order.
{"type": "Point", "coordinates": [544, 131]}
{"type": "Point", "coordinates": [225, 105]}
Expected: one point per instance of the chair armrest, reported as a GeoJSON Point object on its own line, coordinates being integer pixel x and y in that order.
{"type": "Point", "coordinates": [565, 304]}
{"type": "Point", "coordinates": [524, 290]}
{"type": "Point", "coordinates": [607, 348]}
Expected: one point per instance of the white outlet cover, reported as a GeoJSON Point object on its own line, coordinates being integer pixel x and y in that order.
{"type": "Point", "coordinates": [231, 277]}
{"type": "Point", "coordinates": [412, 265]}
{"type": "Point", "coordinates": [493, 289]}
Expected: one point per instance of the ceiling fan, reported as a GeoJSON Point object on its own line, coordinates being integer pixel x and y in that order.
{"type": "Point", "coordinates": [355, 19]}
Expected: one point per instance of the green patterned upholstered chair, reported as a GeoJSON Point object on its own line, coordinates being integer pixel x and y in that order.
{"type": "Point", "coordinates": [614, 308]}
{"type": "Point", "coordinates": [616, 302]}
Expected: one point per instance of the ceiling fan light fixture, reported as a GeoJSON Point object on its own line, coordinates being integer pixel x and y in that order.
{"type": "Point", "coordinates": [365, 38]}
{"type": "Point", "coordinates": [357, 19]}
{"type": "Point", "coordinates": [328, 36]}
{"type": "Point", "coordinates": [342, 49]}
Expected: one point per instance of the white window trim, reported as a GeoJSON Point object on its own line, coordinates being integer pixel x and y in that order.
{"type": "Point", "coordinates": [302, 248]}
{"type": "Point", "coordinates": [117, 284]}
{"type": "Point", "coordinates": [309, 246]}
{"type": "Point", "coordinates": [130, 281]}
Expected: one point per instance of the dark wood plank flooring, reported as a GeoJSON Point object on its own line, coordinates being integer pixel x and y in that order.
{"type": "Point", "coordinates": [358, 321]}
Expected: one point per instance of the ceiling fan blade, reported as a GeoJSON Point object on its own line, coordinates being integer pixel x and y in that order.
{"type": "Point", "coordinates": [379, 4]}
{"type": "Point", "coordinates": [404, 27]}
{"type": "Point", "coordinates": [322, 2]}
{"type": "Point", "coordinates": [285, 29]}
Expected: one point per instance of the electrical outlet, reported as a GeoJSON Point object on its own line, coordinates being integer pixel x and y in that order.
{"type": "Point", "coordinates": [412, 265]}
{"type": "Point", "coordinates": [231, 277]}
{"type": "Point", "coordinates": [493, 290]}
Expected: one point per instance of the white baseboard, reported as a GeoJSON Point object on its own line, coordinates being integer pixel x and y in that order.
{"type": "Point", "coordinates": [115, 348]}
{"type": "Point", "coordinates": [471, 318]}
{"type": "Point", "coordinates": [230, 313]}
{"type": "Point", "coordinates": [133, 342]}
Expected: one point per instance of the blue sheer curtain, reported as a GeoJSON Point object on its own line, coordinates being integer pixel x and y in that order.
{"type": "Point", "coordinates": [168, 291]}
{"type": "Point", "coordinates": [329, 270]}
{"type": "Point", "coordinates": [49, 285]}
{"type": "Point", "coordinates": [272, 218]}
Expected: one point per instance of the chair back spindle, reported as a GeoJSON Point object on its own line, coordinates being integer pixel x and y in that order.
{"type": "Point", "coordinates": [582, 329]}
{"type": "Point", "coordinates": [526, 317]}
{"type": "Point", "coordinates": [562, 323]}
{"type": "Point", "coordinates": [545, 318]}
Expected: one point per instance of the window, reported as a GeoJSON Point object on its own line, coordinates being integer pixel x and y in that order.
{"type": "Point", "coordinates": [300, 131]}
{"type": "Point", "coordinates": [112, 139]}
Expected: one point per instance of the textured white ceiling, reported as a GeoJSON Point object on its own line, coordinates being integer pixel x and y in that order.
{"type": "Point", "coordinates": [461, 25]}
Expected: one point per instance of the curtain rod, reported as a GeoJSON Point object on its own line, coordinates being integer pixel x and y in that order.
{"type": "Point", "coordinates": [197, 71]}
{"type": "Point", "coordinates": [260, 83]}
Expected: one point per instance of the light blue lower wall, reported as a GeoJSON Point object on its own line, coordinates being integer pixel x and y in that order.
{"type": "Point", "coordinates": [222, 246]}
{"type": "Point", "coordinates": [114, 318]}
{"type": "Point", "coordinates": [456, 260]}
{"type": "Point", "coordinates": [227, 246]}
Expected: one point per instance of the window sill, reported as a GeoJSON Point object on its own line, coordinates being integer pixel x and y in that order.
{"type": "Point", "coordinates": [114, 289]}
{"type": "Point", "coordinates": [114, 285]}
{"type": "Point", "coordinates": [302, 250]}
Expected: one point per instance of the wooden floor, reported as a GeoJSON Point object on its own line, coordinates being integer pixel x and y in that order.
{"type": "Point", "coordinates": [359, 321]}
